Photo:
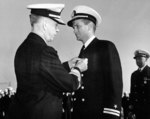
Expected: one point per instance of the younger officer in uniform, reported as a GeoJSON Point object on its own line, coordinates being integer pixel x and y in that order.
{"type": "Point", "coordinates": [100, 94]}
{"type": "Point", "coordinates": [41, 78]}
{"type": "Point", "coordinates": [140, 86]}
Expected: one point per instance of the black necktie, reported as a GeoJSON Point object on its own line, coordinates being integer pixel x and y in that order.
{"type": "Point", "coordinates": [81, 52]}
{"type": "Point", "coordinates": [140, 70]}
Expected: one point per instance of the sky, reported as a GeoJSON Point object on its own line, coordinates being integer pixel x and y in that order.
{"type": "Point", "coordinates": [124, 22]}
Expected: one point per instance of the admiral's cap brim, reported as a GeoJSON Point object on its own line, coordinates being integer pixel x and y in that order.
{"type": "Point", "coordinates": [52, 11]}
{"type": "Point", "coordinates": [59, 21]}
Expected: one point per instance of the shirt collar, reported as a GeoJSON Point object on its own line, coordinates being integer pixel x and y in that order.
{"type": "Point", "coordinates": [141, 69]}
{"type": "Point", "coordinates": [89, 41]}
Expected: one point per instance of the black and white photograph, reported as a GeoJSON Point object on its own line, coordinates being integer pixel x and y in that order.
{"type": "Point", "coordinates": [75, 59]}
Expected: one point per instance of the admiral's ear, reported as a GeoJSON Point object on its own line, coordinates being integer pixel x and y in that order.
{"type": "Point", "coordinates": [44, 24]}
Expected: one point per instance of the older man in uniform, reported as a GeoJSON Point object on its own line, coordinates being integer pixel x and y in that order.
{"type": "Point", "coordinates": [100, 94]}
{"type": "Point", "coordinates": [41, 78]}
{"type": "Point", "coordinates": [140, 86]}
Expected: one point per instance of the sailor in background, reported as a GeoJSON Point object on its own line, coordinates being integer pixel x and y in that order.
{"type": "Point", "coordinates": [140, 86]}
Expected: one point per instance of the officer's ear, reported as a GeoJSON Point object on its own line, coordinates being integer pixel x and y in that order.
{"type": "Point", "coordinates": [146, 58]}
{"type": "Point", "coordinates": [44, 24]}
{"type": "Point", "coordinates": [91, 26]}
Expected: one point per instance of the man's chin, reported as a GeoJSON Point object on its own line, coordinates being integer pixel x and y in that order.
{"type": "Point", "coordinates": [78, 39]}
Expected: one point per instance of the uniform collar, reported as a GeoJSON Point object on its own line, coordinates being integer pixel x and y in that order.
{"type": "Point", "coordinates": [89, 41]}
{"type": "Point", "coordinates": [141, 69]}
{"type": "Point", "coordinates": [38, 39]}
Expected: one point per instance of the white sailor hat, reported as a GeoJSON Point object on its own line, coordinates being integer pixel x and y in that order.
{"type": "Point", "coordinates": [85, 12]}
{"type": "Point", "coordinates": [52, 11]}
{"type": "Point", "coordinates": [141, 53]}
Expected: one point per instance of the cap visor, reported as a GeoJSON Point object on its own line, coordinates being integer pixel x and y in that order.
{"type": "Point", "coordinates": [70, 23]}
{"type": "Point", "coordinates": [60, 21]}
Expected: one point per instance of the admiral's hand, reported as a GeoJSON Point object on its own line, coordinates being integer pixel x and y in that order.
{"type": "Point", "coordinates": [82, 64]}
{"type": "Point", "coordinates": [73, 62]}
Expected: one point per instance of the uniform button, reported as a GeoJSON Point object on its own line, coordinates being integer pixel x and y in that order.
{"type": "Point", "coordinates": [83, 99]}
{"type": "Point", "coordinates": [82, 87]}
{"type": "Point", "coordinates": [63, 93]}
{"type": "Point", "coordinates": [115, 106]}
{"type": "Point", "coordinates": [71, 110]}
{"type": "Point", "coordinates": [145, 82]}
{"type": "Point", "coordinates": [73, 93]}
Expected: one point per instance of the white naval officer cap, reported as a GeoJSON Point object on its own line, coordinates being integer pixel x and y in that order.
{"type": "Point", "coordinates": [52, 11]}
{"type": "Point", "coordinates": [85, 12]}
{"type": "Point", "coordinates": [141, 53]}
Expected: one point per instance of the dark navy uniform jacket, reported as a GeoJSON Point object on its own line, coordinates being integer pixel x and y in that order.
{"type": "Point", "coordinates": [41, 79]}
{"type": "Point", "coordinates": [140, 92]}
{"type": "Point", "coordinates": [100, 94]}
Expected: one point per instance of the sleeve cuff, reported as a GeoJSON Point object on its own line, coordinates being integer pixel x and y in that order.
{"type": "Point", "coordinates": [111, 111]}
{"type": "Point", "coordinates": [77, 73]}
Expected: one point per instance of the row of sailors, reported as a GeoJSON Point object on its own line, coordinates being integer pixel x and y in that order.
{"type": "Point", "coordinates": [6, 96]}
{"type": "Point", "coordinates": [8, 93]}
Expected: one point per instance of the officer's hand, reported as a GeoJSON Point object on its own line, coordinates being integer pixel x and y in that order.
{"type": "Point", "coordinates": [73, 62]}
{"type": "Point", "coordinates": [82, 64]}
